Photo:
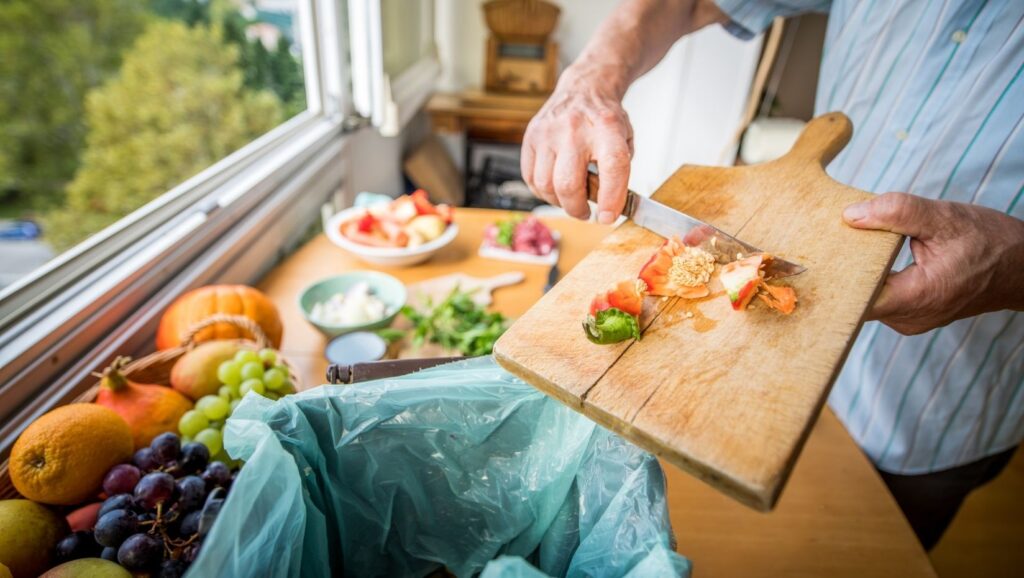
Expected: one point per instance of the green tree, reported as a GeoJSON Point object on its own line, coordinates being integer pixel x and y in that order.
{"type": "Point", "coordinates": [178, 106]}
{"type": "Point", "coordinates": [192, 12]}
{"type": "Point", "coordinates": [52, 52]}
{"type": "Point", "coordinates": [287, 75]}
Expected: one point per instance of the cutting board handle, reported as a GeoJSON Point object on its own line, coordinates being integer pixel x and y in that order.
{"type": "Point", "coordinates": [821, 140]}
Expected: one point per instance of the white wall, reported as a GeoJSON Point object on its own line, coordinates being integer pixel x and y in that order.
{"type": "Point", "coordinates": [685, 110]}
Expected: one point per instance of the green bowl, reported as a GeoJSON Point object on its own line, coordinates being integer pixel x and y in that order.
{"type": "Point", "coordinates": [388, 289]}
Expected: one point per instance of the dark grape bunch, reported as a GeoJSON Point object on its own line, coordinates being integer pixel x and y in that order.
{"type": "Point", "coordinates": [157, 511]}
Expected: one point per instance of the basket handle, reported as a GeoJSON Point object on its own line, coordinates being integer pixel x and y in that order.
{"type": "Point", "coordinates": [238, 321]}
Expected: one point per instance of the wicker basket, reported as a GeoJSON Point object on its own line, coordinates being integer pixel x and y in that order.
{"type": "Point", "coordinates": [156, 368]}
{"type": "Point", "coordinates": [529, 21]}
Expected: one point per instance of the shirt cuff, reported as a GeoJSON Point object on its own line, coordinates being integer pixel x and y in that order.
{"type": "Point", "coordinates": [748, 18]}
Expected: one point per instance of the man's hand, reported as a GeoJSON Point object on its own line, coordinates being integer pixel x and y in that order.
{"type": "Point", "coordinates": [584, 120]}
{"type": "Point", "coordinates": [968, 260]}
{"type": "Point", "coordinates": [581, 122]}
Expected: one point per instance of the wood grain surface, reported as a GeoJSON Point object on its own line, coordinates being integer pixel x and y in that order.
{"type": "Point", "coordinates": [729, 397]}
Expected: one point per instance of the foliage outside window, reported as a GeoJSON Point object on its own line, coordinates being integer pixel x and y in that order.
{"type": "Point", "coordinates": [107, 104]}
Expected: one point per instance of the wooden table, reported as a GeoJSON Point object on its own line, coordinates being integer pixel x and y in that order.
{"type": "Point", "coordinates": [835, 518]}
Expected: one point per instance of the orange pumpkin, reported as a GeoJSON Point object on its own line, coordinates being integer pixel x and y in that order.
{"type": "Point", "coordinates": [201, 303]}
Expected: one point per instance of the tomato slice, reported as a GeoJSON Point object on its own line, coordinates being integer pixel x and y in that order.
{"type": "Point", "coordinates": [677, 270]}
{"type": "Point", "coordinates": [626, 296]}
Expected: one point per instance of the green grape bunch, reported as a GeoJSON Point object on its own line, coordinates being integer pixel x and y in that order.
{"type": "Point", "coordinates": [260, 372]}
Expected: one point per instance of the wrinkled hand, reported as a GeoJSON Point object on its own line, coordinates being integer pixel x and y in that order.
{"type": "Point", "coordinates": [968, 260]}
{"type": "Point", "coordinates": [583, 121]}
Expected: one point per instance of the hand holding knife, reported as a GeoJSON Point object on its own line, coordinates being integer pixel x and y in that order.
{"type": "Point", "coordinates": [668, 222]}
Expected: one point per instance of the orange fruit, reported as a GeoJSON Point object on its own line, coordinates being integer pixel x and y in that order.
{"type": "Point", "coordinates": [61, 457]}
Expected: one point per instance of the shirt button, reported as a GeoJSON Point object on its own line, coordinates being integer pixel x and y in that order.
{"type": "Point", "coordinates": [901, 135]}
{"type": "Point", "coordinates": [959, 36]}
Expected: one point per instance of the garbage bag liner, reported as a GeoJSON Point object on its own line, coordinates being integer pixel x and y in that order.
{"type": "Point", "coordinates": [462, 467]}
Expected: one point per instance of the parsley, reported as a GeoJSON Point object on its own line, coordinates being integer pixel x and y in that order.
{"type": "Point", "coordinates": [457, 323]}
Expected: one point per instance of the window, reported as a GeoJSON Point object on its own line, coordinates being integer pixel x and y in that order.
{"type": "Point", "coordinates": [105, 105]}
{"type": "Point", "coordinates": [209, 134]}
{"type": "Point", "coordinates": [147, 148]}
{"type": "Point", "coordinates": [394, 59]}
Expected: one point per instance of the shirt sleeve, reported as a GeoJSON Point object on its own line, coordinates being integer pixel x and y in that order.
{"type": "Point", "coordinates": [747, 18]}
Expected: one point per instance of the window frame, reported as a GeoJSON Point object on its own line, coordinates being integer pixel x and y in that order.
{"type": "Point", "coordinates": [73, 314]}
{"type": "Point", "coordinates": [389, 103]}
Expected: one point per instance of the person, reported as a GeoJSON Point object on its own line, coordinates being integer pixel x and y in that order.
{"type": "Point", "coordinates": [932, 390]}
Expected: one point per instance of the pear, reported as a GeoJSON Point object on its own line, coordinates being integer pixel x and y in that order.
{"type": "Point", "coordinates": [88, 568]}
{"type": "Point", "coordinates": [29, 533]}
{"type": "Point", "coordinates": [195, 373]}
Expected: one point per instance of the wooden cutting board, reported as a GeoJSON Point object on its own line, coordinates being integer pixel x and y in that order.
{"type": "Point", "coordinates": [435, 290]}
{"type": "Point", "coordinates": [724, 395]}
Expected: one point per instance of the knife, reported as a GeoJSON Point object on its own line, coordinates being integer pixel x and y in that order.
{"type": "Point", "coordinates": [668, 222]}
{"type": "Point", "coordinates": [553, 275]}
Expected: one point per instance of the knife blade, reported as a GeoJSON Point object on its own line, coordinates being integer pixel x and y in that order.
{"type": "Point", "coordinates": [553, 275]}
{"type": "Point", "coordinates": [668, 222]}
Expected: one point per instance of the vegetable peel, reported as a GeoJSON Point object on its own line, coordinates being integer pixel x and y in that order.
{"type": "Point", "coordinates": [678, 270]}
{"type": "Point", "coordinates": [744, 279]}
{"type": "Point", "coordinates": [615, 314]}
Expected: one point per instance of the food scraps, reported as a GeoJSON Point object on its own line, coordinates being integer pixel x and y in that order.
{"type": "Point", "coordinates": [615, 314]}
{"type": "Point", "coordinates": [678, 270]}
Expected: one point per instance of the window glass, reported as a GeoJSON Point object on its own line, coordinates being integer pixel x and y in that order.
{"type": "Point", "coordinates": [107, 104]}
{"type": "Point", "coordinates": [408, 33]}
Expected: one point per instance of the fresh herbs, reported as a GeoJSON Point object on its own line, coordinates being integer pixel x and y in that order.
{"type": "Point", "coordinates": [457, 323]}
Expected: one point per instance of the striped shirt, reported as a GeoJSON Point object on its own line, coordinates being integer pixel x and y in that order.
{"type": "Point", "coordinates": [935, 93]}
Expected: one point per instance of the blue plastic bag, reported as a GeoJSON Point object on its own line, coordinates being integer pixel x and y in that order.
{"type": "Point", "coordinates": [462, 466]}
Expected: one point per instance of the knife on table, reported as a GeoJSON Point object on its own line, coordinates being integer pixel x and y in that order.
{"type": "Point", "coordinates": [668, 222]}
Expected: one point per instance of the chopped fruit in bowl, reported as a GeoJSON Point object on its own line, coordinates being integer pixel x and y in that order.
{"type": "Point", "coordinates": [408, 221]}
{"type": "Point", "coordinates": [404, 231]}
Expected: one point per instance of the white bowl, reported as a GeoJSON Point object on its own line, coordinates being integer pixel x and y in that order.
{"type": "Point", "coordinates": [386, 256]}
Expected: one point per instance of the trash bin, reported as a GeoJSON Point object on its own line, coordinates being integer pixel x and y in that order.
{"type": "Point", "coordinates": [460, 467]}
